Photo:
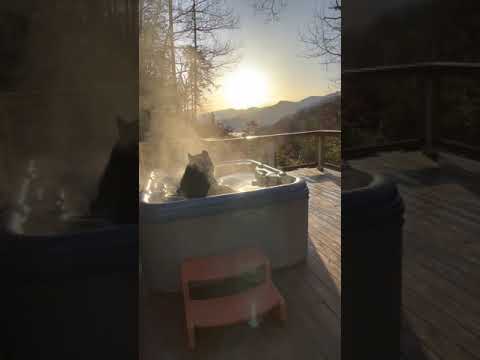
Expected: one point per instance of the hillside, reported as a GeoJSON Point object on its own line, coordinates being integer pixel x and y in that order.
{"type": "Point", "coordinates": [267, 116]}
{"type": "Point", "coordinates": [321, 116]}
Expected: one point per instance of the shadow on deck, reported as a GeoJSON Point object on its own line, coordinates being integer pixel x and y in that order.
{"type": "Point", "coordinates": [311, 291]}
{"type": "Point", "coordinates": [441, 252]}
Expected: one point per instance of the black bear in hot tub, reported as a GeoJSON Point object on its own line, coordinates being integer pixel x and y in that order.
{"type": "Point", "coordinates": [198, 179]}
{"type": "Point", "coordinates": [117, 198]}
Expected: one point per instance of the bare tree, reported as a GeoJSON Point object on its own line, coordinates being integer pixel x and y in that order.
{"type": "Point", "coordinates": [153, 41]}
{"type": "Point", "coordinates": [204, 54]}
{"type": "Point", "coordinates": [270, 8]}
{"type": "Point", "coordinates": [171, 46]}
{"type": "Point", "coordinates": [181, 54]}
{"type": "Point", "coordinates": [322, 37]}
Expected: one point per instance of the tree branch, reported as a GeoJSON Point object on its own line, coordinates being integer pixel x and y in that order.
{"type": "Point", "coordinates": [322, 37]}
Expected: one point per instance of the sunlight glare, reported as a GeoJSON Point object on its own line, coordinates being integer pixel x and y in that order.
{"type": "Point", "coordinates": [245, 88]}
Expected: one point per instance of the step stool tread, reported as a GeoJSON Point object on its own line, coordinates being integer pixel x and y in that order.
{"type": "Point", "coordinates": [235, 308]}
{"type": "Point", "coordinates": [222, 266]}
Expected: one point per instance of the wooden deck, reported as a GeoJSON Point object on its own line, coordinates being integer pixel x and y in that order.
{"type": "Point", "coordinates": [441, 265]}
{"type": "Point", "coordinates": [311, 291]}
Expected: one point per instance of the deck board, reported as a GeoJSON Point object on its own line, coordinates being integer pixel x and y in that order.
{"type": "Point", "coordinates": [311, 291]}
{"type": "Point", "coordinates": [441, 262]}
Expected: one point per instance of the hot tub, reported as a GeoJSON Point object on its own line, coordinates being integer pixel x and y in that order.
{"type": "Point", "coordinates": [269, 212]}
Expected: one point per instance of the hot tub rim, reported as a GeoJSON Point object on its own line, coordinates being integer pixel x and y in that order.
{"type": "Point", "coordinates": [211, 205]}
{"type": "Point", "coordinates": [378, 200]}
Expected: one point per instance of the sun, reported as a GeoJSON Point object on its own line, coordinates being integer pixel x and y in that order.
{"type": "Point", "coordinates": [245, 88]}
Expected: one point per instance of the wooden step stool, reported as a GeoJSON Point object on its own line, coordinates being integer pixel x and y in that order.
{"type": "Point", "coordinates": [230, 309]}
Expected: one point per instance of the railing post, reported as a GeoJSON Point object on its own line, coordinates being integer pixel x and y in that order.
{"type": "Point", "coordinates": [428, 114]}
{"type": "Point", "coordinates": [276, 146]}
{"type": "Point", "coordinates": [247, 148]}
{"type": "Point", "coordinates": [321, 152]}
{"type": "Point", "coordinates": [430, 107]}
{"type": "Point", "coordinates": [271, 152]}
{"type": "Point", "coordinates": [267, 150]}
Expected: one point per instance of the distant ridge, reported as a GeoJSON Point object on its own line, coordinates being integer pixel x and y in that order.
{"type": "Point", "coordinates": [266, 116]}
{"type": "Point", "coordinates": [322, 115]}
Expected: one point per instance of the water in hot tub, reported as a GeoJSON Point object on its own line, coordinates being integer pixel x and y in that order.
{"type": "Point", "coordinates": [239, 181]}
{"type": "Point", "coordinates": [162, 187]}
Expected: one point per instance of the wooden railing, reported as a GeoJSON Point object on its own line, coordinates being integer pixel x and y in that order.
{"type": "Point", "coordinates": [270, 144]}
{"type": "Point", "coordinates": [430, 138]}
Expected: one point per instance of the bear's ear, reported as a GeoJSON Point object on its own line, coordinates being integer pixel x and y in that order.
{"type": "Point", "coordinates": [190, 157]}
{"type": "Point", "coordinates": [204, 152]}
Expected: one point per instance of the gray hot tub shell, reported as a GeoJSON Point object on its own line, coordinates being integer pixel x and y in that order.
{"type": "Point", "coordinates": [274, 219]}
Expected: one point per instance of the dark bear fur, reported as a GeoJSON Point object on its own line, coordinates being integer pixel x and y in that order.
{"type": "Point", "coordinates": [198, 179]}
{"type": "Point", "coordinates": [194, 183]}
{"type": "Point", "coordinates": [117, 198]}
{"type": "Point", "coordinates": [198, 176]}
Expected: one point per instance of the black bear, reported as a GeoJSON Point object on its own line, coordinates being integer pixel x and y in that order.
{"type": "Point", "coordinates": [117, 198]}
{"type": "Point", "coordinates": [198, 179]}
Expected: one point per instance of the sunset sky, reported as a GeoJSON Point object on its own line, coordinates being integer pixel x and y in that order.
{"type": "Point", "coordinates": [271, 66]}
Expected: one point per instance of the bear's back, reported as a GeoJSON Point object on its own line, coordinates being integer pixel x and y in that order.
{"type": "Point", "coordinates": [117, 197]}
{"type": "Point", "coordinates": [194, 183]}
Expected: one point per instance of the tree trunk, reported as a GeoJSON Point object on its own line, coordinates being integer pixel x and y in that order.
{"type": "Point", "coordinates": [172, 54]}
{"type": "Point", "coordinates": [195, 69]}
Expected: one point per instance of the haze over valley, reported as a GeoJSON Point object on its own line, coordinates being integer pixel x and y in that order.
{"type": "Point", "coordinates": [264, 117]}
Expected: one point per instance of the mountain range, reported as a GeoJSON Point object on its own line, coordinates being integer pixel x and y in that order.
{"type": "Point", "coordinates": [324, 116]}
{"type": "Point", "coordinates": [267, 116]}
